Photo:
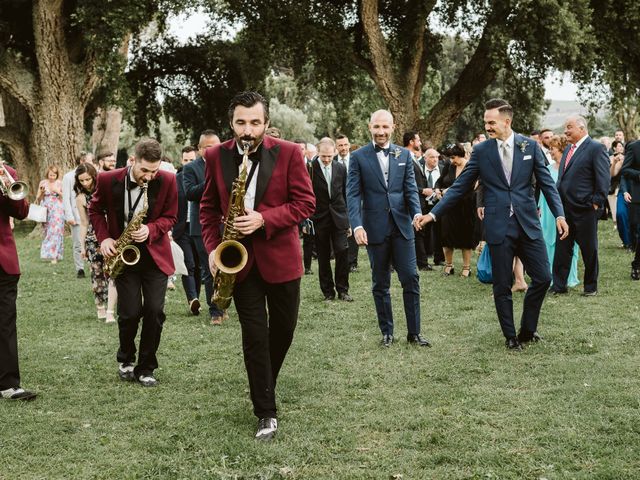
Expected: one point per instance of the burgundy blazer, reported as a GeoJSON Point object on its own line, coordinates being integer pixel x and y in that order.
{"type": "Point", "coordinates": [9, 208]}
{"type": "Point", "coordinates": [106, 212]}
{"type": "Point", "coordinates": [284, 197]}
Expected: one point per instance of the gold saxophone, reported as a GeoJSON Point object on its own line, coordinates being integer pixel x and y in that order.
{"type": "Point", "coordinates": [231, 256]}
{"type": "Point", "coordinates": [126, 252]}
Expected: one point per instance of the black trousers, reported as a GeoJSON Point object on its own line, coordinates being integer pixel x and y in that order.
{"type": "Point", "coordinates": [433, 242]}
{"type": "Point", "coordinates": [141, 292]}
{"type": "Point", "coordinates": [583, 230]}
{"type": "Point", "coordinates": [9, 371]}
{"type": "Point", "coordinates": [325, 237]}
{"type": "Point", "coordinates": [205, 272]}
{"type": "Point", "coordinates": [421, 248]}
{"type": "Point", "coordinates": [353, 251]}
{"type": "Point", "coordinates": [308, 248]}
{"type": "Point", "coordinates": [266, 337]}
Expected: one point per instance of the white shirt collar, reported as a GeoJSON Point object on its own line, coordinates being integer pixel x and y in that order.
{"type": "Point", "coordinates": [386, 145]}
{"type": "Point", "coordinates": [581, 141]}
{"type": "Point", "coordinates": [509, 141]}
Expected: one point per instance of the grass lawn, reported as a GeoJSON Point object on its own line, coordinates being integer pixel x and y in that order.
{"type": "Point", "coordinates": [568, 407]}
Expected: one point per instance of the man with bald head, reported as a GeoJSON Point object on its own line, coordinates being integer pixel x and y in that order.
{"type": "Point", "coordinates": [583, 183]}
{"type": "Point", "coordinates": [383, 203]}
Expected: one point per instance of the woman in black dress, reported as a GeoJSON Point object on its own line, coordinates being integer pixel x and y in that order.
{"type": "Point", "coordinates": [457, 224]}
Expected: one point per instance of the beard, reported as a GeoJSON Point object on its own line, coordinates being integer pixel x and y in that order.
{"type": "Point", "coordinates": [254, 140]}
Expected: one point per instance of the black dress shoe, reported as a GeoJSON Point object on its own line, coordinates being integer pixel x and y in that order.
{"type": "Point", "coordinates": [353, 268]}
{"type": "Point", "coordinates": [524, 337]}
{"type": "Point", "coordinates": [426, 268]}
{"type": "Point", "coordinates": [557, 292]}
{"type": "Point", "coordinates": [308, 271]}
{"type": "Point", "coordinates": [590, 294]}
{"type": "Point", "coordinates": [438, 264]}
{"type": "Point", "coordinates": [418, 340]}
{"type": "Point", "coordinates": [329, 298]}
{"type": "Point", "coordinates": [345, 297]}
{"type": "Point", "coordinates": [81, 273]}
{"type": "Point", "coordinates": [635, 274]}
{"type": "Point", "coordinates": [513, 344]}
{"type": "Point", "coordinates": [267, 428]}
{"type": "Point", "coordinates": [387, 340]}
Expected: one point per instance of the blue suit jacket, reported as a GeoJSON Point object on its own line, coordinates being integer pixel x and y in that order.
{"type": "Point", "coordinates": [180, 226]}
{"type": "Point", "coordinates": [193, 181]}
{"type": "Point", "coordinates": [371, 203]}
{"type": "Point", "coordinates": [586, 180]}
{"type": "Point", "coordinates": [499, 194]}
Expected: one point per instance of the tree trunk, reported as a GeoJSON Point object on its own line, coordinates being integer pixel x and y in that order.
{"type": "Point", "coordinates": [106, 130]}
{"type": "Point", "coordinates": [628, 120]}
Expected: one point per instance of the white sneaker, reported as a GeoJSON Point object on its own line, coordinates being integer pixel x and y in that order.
{"type": "Point", "coordinates": [125, 371]}
{"type": "Point", "coordinates": [17, 394]}
{"type": "Point", "coordinates": [266, 428]}
{"type": "Point", "coordinates": [147, 381]}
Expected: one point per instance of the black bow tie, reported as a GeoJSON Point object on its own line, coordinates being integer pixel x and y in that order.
{"type": "Point", "coordinates": [253, 156]}
{"type": "Point", "coordinates": [378, 148]}
{"type": "Point", "coordinates": [131, 184]}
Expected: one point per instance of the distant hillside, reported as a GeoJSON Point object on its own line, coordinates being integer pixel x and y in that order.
{"type": "Point", "coordinates": [558, 111]}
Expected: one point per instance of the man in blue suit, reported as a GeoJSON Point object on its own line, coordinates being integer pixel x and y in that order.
{"type": "Point", "coordinates": [382, 200]}
{"type": "Point", "coordinates": [193, 182]}
{"type": "Point", "coordinates": [506, 165]}
{"type": "Point", "coordinates": [583, 183]}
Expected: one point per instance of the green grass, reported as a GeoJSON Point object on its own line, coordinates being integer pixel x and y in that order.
{"type": "Point", "coordinates": [349, 409]}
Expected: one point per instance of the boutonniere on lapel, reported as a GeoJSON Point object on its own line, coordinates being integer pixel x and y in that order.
{"type": "Point", "coordinates": [397, 152]}
{"type": "Point", "coordinates": [523, 145]}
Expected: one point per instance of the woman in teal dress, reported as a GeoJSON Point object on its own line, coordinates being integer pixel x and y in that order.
{"type": "Point", "coordinates": [548, 221]}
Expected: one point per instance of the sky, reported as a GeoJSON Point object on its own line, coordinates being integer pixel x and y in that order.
{"type": "Point", "coordinates": [558, 86]}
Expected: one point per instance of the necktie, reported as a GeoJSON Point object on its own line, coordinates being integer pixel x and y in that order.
{"type": "Point", "coordinates": [429, 179]}
{"type": "Point", "coordinates": [507, 161]}
{"type": "Point", "coordinates": [380, 149]}
{"type": "Point", "coordinates": [569, 155]}
{"type": "Point", "coordinates": [327, 174]}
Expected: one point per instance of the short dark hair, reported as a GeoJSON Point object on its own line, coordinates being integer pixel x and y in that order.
{"type": "Point", "coordinates": [188, 149]}
{"type": "Point", "coordinates": [84, 168]}
{"type": "Point", "coordinates": [340, 136]}
{"type": "Point", "coordinates": [454, 150]}
{"type": "Point", "coordinates": [248, 100]}
{"type": "Point", "coordinates": [502, 106]}
{"type": "Point", "coordinates": [615, 143]}
{"type": "Point", "coordinates": [535, 132]}
{"type": "Point", "coordinates": [301, 141]}
{"type": "Point", "coordinates": [544, 130]}
{"type": "Point", "coordinates": [149, 149]}
{"type": "Point", "coordinates": [208, 133]}
{"type": "Point", "coordinates": [104, 155]}
{"type": "Point", "coordinates": [407, 137]}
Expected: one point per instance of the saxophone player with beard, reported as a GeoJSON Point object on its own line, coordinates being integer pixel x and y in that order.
{"type": "Point", "coordinates": [278, 196]}
{"type": "Point", "coordinates": [140, 194]}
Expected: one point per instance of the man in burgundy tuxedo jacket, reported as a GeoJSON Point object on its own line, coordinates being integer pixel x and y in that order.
{"type": "Point", "coordinates": [9, 276]}
{"type": "Point", "coordinates": [118, 197]}
{"type": "Point", "coordinates": [278, 198]}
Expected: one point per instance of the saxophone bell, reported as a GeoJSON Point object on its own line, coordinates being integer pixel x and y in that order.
{"type": "Point", "coordinates": [230, 257]}
{"type": "Point", "coordinates": [130, 255]}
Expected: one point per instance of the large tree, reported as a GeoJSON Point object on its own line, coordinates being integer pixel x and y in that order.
{"type": "Point", "coordinates": [396, 42]}
{"type": "Point", "coordinates": [55, 55]}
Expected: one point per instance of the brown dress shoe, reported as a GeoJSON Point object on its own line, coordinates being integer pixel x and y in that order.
{"type": "Point", "coordinates": [216, 320]}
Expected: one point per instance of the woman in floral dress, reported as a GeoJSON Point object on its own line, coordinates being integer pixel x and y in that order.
{"type": "Point", "coordinates": [84, 186]}
{"type": "Point", "coordinates": [50, 196]}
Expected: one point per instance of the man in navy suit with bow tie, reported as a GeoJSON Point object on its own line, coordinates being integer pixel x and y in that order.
{"type": "Point", "coordinates": [382, 200]}
{"type": "Point", "coordinates": [506, 165]}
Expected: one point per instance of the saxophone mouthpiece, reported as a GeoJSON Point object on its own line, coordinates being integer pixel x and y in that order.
{"type": "Point", "coordinates": [246, 146]}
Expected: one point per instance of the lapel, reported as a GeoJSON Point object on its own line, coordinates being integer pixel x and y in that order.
{"type": "Point", "coordinates": [373, 163]}
{"type": "Point", "coordinates": [268, 157]}
{"type": "Point", "coordinates": [494, 158]}
{"type": "Point", "coordinates": [393, 163]}
{"type": "Point", "coordinates": [117, 195]}
{"type": "Point", "coordinates": [229, 167]}
{"type": "Point", "coordinates": [518, 156]}
{"type": "Point", "coordinates": [152, 195]}
{"type": "Point", "coordinates": [576, 155]}
{"type": "Point", "coordinates": [335, 186]}
{"type": "Point", "coordinates": [319, 173]}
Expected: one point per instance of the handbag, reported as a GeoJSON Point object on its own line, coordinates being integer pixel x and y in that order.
{"type": "Point", "coordinates": [37, 213]}
{"type": "Point", "coordinates": [178, 259]}
{"type": "Point", "coordinates": [483, 267]}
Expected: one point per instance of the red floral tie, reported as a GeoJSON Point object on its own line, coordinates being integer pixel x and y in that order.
{"type": "Point", "coordinates": [569, 156]}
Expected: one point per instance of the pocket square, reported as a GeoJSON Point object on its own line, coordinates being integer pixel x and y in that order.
{"type": "Point", "coordinates": [401, 164]}
{"type": "Point", "coordinates": [527, 157]}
